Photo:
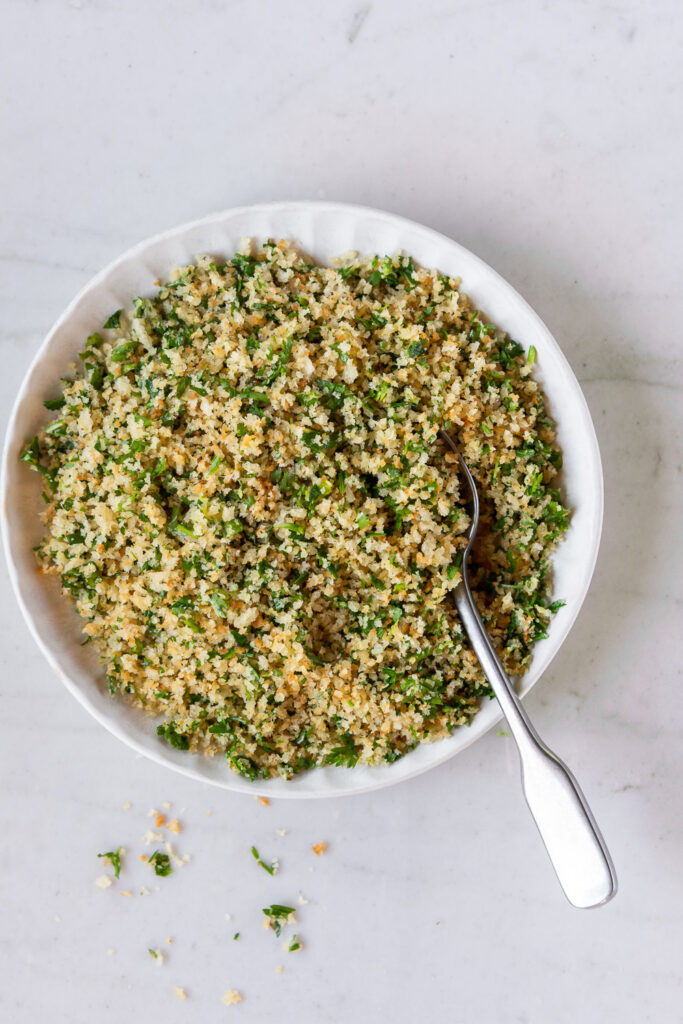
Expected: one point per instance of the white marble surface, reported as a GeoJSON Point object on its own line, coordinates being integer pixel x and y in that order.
{"type": "Point", "coordinates": [545, 137]}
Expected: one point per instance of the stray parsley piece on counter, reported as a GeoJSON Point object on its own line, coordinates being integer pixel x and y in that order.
{"type": "Point", "coordinates": [114, 858]}
{"type": "Point", "coordinates": [235, 936]}
{"type": "Point", "coordinates": [278, 915]}
{"type": "Point", "coordinates": [294, 944]}
{"type": "Point", "coordinates": [271, 869]}
{"type": "Point", "coordinates": [161, 862]}
{"type": "Point", "coordinates": [114, 320]}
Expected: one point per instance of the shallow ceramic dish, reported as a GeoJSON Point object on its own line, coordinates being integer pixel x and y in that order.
{"type": "Point", "coordinates": [324, 230]}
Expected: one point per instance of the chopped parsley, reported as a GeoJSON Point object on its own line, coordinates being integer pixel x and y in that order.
{"type": "Point", "coordinates": [271, 868]}
{"type": "Point", "coordinates": [114, 320]}
{"type": "Point", "coordinates": [278, 915]}
{"type": "Point", "coordinates": [161, 862]}
{"type": "Point", "coordinates": [114, 858]}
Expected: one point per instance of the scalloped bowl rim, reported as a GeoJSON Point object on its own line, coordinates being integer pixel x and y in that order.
{"type": "Point", "coordinates": [324, 229]}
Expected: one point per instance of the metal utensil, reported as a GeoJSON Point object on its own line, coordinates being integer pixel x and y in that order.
{"type": "Point", "coordinates": [568, 829]}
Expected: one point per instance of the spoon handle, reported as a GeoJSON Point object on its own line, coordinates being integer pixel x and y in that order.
{"type": "Point", "coordinates": [571, 836]}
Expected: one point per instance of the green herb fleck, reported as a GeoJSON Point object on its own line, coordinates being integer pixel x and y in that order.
{"type": "Point", "coordinates": [114, 320]}
{"type": "Point", "coordinates": [114, 858]}
{"type": "Point", "coordinates": [270, 868]}
{"type": "Point", "coordinates": [161, 863]}
{"type": "Point", "coordinates": [278, 915]}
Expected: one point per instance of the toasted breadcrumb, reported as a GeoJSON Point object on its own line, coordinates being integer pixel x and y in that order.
{"type": "Point", "coordinates": [127, 893]}
{"type": "Point", "coordinates": [174, 826]}
{"type": "Point", "coordinates": [231, 997]}
{"type": "Point", "coordinates": [176, 858]}
{"type": "Point", "coordinates": [319, 848]}
{"type": "Point", "coordinates": [151, 837]}
{"type": "Point", "coordinates": [264, 800]}
{"type": "Point", "coordinates": [180, 993]}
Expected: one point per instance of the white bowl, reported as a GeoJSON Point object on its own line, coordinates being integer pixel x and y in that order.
{"type": "Point", "coordinates": [324, 230]}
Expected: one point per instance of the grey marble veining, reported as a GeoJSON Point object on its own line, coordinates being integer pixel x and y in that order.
{"type": "Point", "coordinates": [544, 137]}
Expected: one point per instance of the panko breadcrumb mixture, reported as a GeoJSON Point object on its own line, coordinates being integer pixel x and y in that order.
{"type": "Point", "coordinates": [247, 502]}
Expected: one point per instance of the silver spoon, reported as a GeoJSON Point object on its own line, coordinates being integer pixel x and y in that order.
{"type": "Point", "coordinates": [568, 829]}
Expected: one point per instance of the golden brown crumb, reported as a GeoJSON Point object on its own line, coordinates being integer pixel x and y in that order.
{"type": "Point", "coordinates": [160, 819]}
{"type": "Point", "coordinates": [231, 997]}
{"type": "Point", "coordinates": [264, 800]}
{"type": "Point", "coordinates": [319, 848]}
{"type": "Point", "coordinates": [126, 892]}
{"type": "Point", "coordinates": [180, 992]}
{"type": "Point", "coordinates": [174, 826]}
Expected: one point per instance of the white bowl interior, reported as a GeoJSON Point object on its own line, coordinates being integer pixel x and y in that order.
{"type": "Point", "coordinates": [324, 230]}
